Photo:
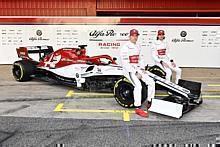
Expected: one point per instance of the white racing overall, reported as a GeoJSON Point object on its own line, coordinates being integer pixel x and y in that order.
{"type": "Point", "coordinates": [160, 52]}
{"type": "Point", "coordinates": [132, 62]}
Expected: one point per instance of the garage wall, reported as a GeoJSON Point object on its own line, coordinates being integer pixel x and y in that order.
{"type": "Point", "coordinates": [158, 5]}
{"type": "Point", "coordinates": [47, 8]}
{"type": "Point", "coordinates": [109, 7]}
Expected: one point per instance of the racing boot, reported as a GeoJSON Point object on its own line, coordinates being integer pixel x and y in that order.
{"type": "Point", "coordinates": [148, 104]}
{"type": "Point", "coordinates": [141, 112]}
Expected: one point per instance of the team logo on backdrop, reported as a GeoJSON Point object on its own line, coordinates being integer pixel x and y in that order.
{"type": "Point", "coordinates": [38, 36]}
{"type": "Point", "coordinates": [106, 39]}
{"type": "Point", "coordinates": [39, 32]}
{"type": "Point", "coordinates": [108, 44]}
{"type": "Point", "coordinates": [183, 33]}
{"type": "Point", "coordinates": [183, 38]}
{"type": "Point", "coordinates": [98, 33]}
{"type": "Point", "coordinates": [124, 34]}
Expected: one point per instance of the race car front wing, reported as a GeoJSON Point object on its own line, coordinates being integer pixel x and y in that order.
{"type": "Point", "coordinates": [183, 97]}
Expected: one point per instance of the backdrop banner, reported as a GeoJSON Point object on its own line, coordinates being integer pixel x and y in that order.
{"type": "Point", "coordinates": [190, 46]}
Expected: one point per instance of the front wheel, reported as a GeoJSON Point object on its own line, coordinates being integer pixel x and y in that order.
{"type": "Point", "coordinates": [157, 71]}
{"type": "Point", "coordinates": [123, 93]}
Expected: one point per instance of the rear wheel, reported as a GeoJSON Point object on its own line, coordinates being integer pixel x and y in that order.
{"type": "Point", "coordinates": [22, 70]}
{"type": "Point", "coordinates": [123, 93]}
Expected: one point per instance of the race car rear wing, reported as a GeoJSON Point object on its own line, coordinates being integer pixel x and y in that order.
{"type": "Point", "coordinates": [35, 53]}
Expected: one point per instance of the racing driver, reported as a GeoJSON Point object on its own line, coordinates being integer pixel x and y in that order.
{"type": "Point", "coordinates": [160, 53]}
{"type": "Point", "coordinates": [133, 69]}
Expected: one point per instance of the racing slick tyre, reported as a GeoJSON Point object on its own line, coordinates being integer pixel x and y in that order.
{"type": "Point", "coordinates": [200, 101]}
{"type": "Point", "coordinates": [22, 70]}
{"type": "Point", "coordinates": [123, 93]}
{"type": "Point", "coordinates": [157, 71]}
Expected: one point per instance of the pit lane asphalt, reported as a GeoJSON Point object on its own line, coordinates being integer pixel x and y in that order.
{"type": "Point", "coordinates": [27, 109]}
{"type": "Point", "coordinates": [73, 132]}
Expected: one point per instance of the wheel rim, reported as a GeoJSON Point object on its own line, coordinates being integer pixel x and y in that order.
{"type": "Point", "coordinates": [17, 72]}
{"type": "Point", "coordinates": [126, 92]}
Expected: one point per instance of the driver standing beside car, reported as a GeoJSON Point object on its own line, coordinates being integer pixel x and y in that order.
{"type": "Point", "coordinates": [133, 69]}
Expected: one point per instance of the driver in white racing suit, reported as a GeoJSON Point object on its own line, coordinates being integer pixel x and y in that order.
{"type": "Point", "coordinates": [133, 68]}
{"type": "Point", "coordinates": [160, 53]}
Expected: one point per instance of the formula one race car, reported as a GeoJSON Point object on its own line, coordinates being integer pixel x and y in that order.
{"type": "Point", "coordinates": [70, 66]}
{"type": "Point", "coordinates": [182, 97]}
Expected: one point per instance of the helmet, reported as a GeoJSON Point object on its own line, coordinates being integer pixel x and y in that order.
{"type": "Point", "coordinates": [134, 31]}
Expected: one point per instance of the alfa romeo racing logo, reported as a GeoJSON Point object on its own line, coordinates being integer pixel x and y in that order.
{"type": "Point", "coordinates": [183, 33]}
{"type": "Point", "coordinates": [39, 32]}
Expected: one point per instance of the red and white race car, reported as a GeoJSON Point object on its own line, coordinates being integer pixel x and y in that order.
{"type": "Point", "coordinates": [72, 66]}
{"type": "Point", "coordinates": [69, 66]}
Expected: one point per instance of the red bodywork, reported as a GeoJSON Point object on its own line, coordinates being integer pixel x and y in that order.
{"type": "Point", "coordinates": [66, 56]}
{"type": "Point", "coordinates": [22, 53]}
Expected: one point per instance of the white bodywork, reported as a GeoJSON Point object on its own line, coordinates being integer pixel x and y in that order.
{"type": "Point", "coordinates": [170, 85]}
{"type": "Point", "coordinates": [79, 71]}
{"type": "Point", "coordinates": [166, 108]}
